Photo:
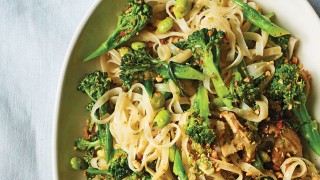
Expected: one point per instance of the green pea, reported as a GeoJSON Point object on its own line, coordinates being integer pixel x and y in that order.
{"type": "Point", "coordinates": [165, 25]}
{"type": "Point", "coordinates": [138, 45]}
{"type": "Point", "coordinates": [264, 156]}
{"type": "Point", "coordinates": [158, 100]}
{"type": "Point", "coordinates": [162, 118]}
{"type": "Point", "coordinates": [172, 153]}
{"type": "Point", "coordinates": [181, 8]}
{"type": "Point", "coordinates": [77, 163]}
{"type": "Point", "coordinates": [124, 50]}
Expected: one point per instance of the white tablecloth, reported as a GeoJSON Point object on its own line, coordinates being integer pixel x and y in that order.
{"type": "Point", "coordinates": [34, 36]}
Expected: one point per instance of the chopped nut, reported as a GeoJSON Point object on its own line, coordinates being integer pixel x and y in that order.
{"type": "Point", "coordinates": [279, 175]}
{"type": "Point", "coordinates": [214, 154]}
{"type": "Point", "coordinates": [257, 111]}
{"type": "Point", "coordinates": [159, 79]}
{"type": "Point", "coordinates": [268, 73]}
{"type": "Point", "coordinates": [210, 33]}
{"type": "Point", "coordinates": [294, 60]}
{"type": "Point", "coordinates": [246, 79]}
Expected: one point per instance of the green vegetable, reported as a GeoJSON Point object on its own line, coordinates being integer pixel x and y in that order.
{"type": "Point", "coordinates": [77, 163]}
{"type": "Point", "coordinates": [198, 127]}
{"type": "Point", "coordinates": [124, 50]}
{"type": "Point", "coordinates": [254, 28]}
{"type": "Point", "coordinates": [288, 87]}
{"type": "Point", "coordinates": [178, 168]}
{"type": "Point", "coordinates": [137, 15]}
{"type": "Point", "coordinates": [106, 140]}
{"type": "Point", "coordinates": [264, 156]}
{"type": "Point", "coordinates": [181, 8]}
{"type": "Point", "coordinates": [118, 167]}
{"type": "Point", "coordinates": [81, 144]}
{"type": "Point", "coordinates": [242, 87]}
{"type": "Point", "coordinates": [158, 99]}
{"type": "Point", "coordinates": [165, 25]}
{"type": "Point", "coordinates": [95, 85]}
{"type": "Point", "coordinates": [282, 41]}
{"type": "Point", "coordinates": [138, 45]}
{"type": "Point", "coordinates": [162, 118]}
{"type": "Point", "coordinates": [172, 153]}
{"type": "Point", "coordinates": [202, 43]}
{"type": "Point", "coordinates": [140, 66]}
{"type": "Point", "coordinates": [257, 19]}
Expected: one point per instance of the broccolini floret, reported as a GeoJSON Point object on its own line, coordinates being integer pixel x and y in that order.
{"type": "Point", "coordinates": [134, 19]}
{"type": "Point", "coordinates": [242, 86]}
{"type": "Point", "coordinates": [282, 41]}
{"type": "Point", "coordinates": [95, 85]}
{"type": "Point", "coordinates": [81, 144]}
{"type": "Point", "coordinates": [139, 66]}
{"type": "Point", "coordinates": [288, 88]}
{"type": "Point", "coordinates": [203, 43]}
{"type": "Point", "coordinates": [198, 127]}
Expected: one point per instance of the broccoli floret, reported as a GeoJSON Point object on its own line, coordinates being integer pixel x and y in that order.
{"type": "Point", "coordinates": [282, 41]}
{"type": "Point", "coordinates": [288, 88]}
{"type": "Point", "coordinates": [203, 43]}
{"type": "Point", "coordinates": [140, 66]}
{"type": "Point", "coordinates": [242, 87]}
{"type": "Point", "coordinates": [118, 165]}
{"type": "Point", "coordinates": [88, 156]}
{"type": "Point", "coordinates": [134, 19]}
{"type": "Point", "coordinates": [81, 144]}
{"type": "Point", "coordinates": [198, 127]}
{"type": "Point", "coordinates": [200, 131]}
{"type": "Point", "coordinates": [95, 85]}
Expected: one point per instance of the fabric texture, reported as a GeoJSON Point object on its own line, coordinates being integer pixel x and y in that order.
{"type": "Point", "coordinates": [34, 36]}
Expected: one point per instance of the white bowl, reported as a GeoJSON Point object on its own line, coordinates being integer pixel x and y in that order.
{"type": "Point", "coordinates": [297, 16]}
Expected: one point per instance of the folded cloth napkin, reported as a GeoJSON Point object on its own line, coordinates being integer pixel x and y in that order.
{"type": "Point", "coordinates": [34, 36]}
{"type": "Point", "coordinates": [316, 5]}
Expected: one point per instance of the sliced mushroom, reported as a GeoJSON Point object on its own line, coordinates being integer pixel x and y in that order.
{"type": "Point", "coordinates": [242, 139]}
{"type": "Point", "coordinates": [287, 143]}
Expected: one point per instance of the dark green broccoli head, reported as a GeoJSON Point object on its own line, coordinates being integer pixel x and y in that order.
{"type": "Point", "coordinates": [200, 131]}
{"type": "Point", "coordinates": [95, 84]}
{"type": "Point", "coordinates": [118, 166]}
{"type": "Point", "coordinates": [202, 41]}
{"type": "Point", "coordinates": [81, 144]}
{"type": "Point", "coordinates": [137, 66]}
{"type": "Point", "coordinates": [287, 86]}
{"type": "Point", "coordinates": [88, 156]}
{"type": "Point", "coordinates": [244, 90]}
{"type": "Point", "coordinates": [133, 20]}
{"type": "Point", "coordinates": [282, 41]}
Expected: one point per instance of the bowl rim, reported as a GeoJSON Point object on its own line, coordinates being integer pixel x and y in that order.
{"type": "Point", "coordinates": [60, 87]}
{"type": "Point", "coordinates": [75, 37]}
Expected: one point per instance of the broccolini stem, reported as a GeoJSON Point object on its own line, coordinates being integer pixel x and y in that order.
{"type": "Point", "coordinates": [178, 168]}
{"type": "Point", "coordinates": [309, 128]}
{"type": "Point", "coordinates": [216, 79]}
{"type": "Point", "coordinates": [109, 44]}
{"type": "Point", "coordinates": [182, 72]}
{"type": "Point", "coordinates": [149, 88]}
{"type": "Point", "coordinates": [173, 77]}
{"type": "Point", "coordinates": [96, 171]}
{"type": "Point", "coordinates": [254, 28]}
{"type": "Point", "coordinates": [109, 145]}
{"type": "Point", "coordinates": [257, 19]}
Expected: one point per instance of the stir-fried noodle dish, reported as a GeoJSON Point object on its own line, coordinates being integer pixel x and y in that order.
{"type": "Point", "coordinates": [197, 89]}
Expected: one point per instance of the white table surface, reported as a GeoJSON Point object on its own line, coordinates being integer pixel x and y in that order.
{"type": "Point", "coordinates": [34, 37]}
